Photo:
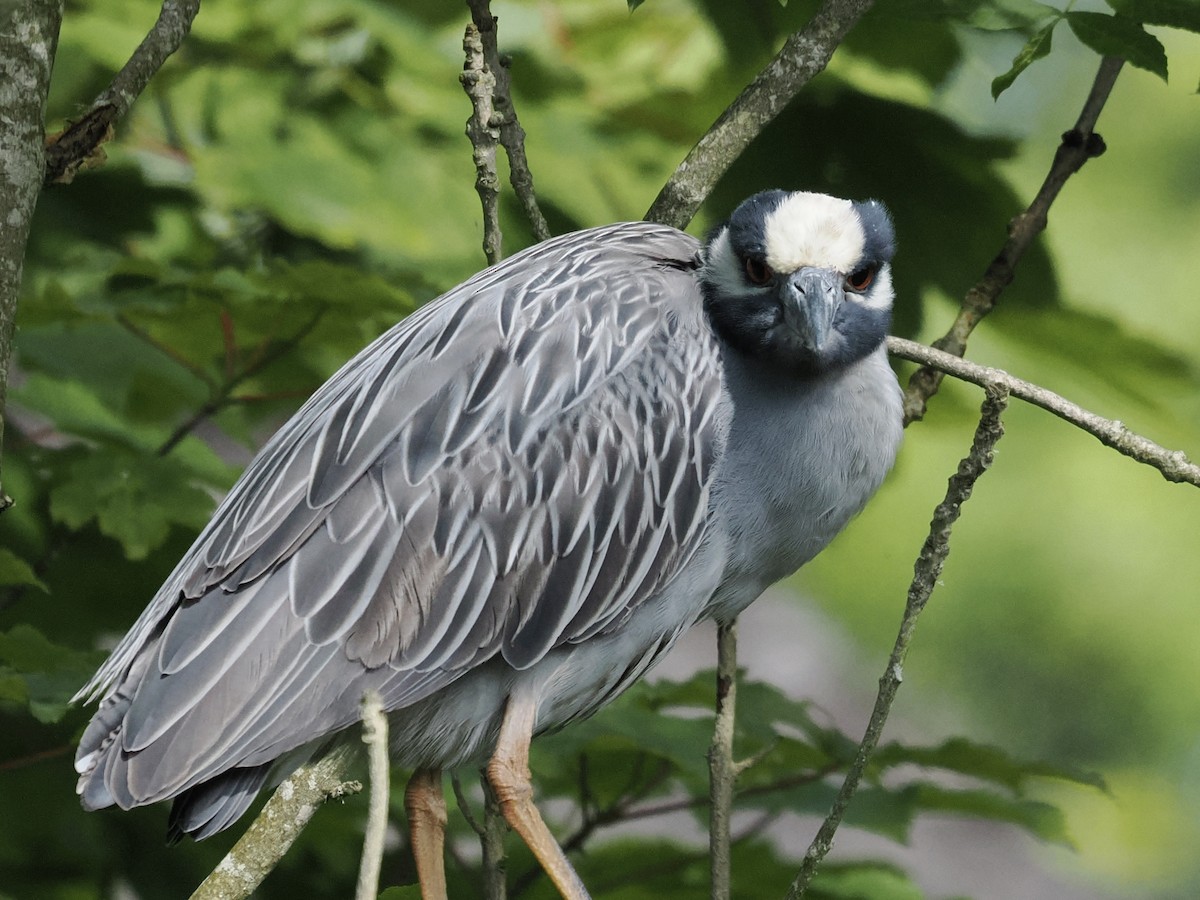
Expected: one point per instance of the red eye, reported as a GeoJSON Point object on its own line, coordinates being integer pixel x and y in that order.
{"type": "Point", "coordinates": [758, 271]}
{"type": "Point", "coordinates": [860, 279]}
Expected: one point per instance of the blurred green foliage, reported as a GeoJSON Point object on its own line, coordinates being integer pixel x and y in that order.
{"type": "Point", "coordinates": [296, 179]}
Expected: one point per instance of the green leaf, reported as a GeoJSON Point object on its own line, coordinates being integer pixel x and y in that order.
{"type": "Point", "coordinates": [865, 881]}
{"type": "Point", "coordinates": [1035, 48]}
{"type": "Point", "coordinates": [133, 498]}
{"type": "Point", "coordinates": [1005, 15]}
{"type": "Point", "coordinates": [40, 674]}
{"type": "Point", "coordinates": [1042, 820]}
{"type": "Point", "coordinates": [1172, 13]}
{"type": "Point", "coordinates": [15, 571]}
{"type": "Point", "coordinates": [634, 4]}
{"type": "Point", "coordinates": [982, 761]}
{"type": "Point", "coordinates": [986, 15]}
{"type": "Point", "coordinates": [1120, 36]}
{"type": "Point", "coordinates": [407, 892]}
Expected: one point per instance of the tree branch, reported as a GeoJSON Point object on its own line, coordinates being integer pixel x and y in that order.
{"type": "Point", "coordinates": [1078, 145]}
{"type": "Point", "coordinates": [803, 56]}
{"type": "Point", "coordinates": [491, 832]}
{"type": "Point", "coordinates": [722, 773]}
{"type": "Point", "coordinates": [480, 84]}
{"type": "Point", "coordinates": [926, 571]}
{"type": "Point", "coordinates": [491, 842]}
{"type": "Point", "coordinates": [27, 47]}
{"type": "Point", "coordinates": [375, 736]}
{"type": "Point", "coordinates": [502, 119]}
{"type": "Point", "coordinates": [1173, 464]}
{"type": "Point", "coordinates": [276, 828]}
{"type": "Point", "coordinates": [79, 142]}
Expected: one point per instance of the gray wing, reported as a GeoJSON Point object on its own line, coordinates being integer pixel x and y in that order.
{"type": "Point", "coordinates": [512, 468]}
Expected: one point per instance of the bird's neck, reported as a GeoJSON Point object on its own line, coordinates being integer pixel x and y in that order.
{"type": "Point", "coordinates": [803, 457]}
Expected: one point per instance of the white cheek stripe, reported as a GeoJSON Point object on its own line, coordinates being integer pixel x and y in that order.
{"type": "Point", "coordinates": [880, 295]}
{"type": "Point", "coordinates": [810, 229]}
{"type": "Point", "coordinates": [722, 268]}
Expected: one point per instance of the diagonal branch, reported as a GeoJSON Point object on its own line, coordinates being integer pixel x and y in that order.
{"type": "Point", "coordinates": [926, 571]}
{"type": "Point", "coordinates": [804, 55]}
{"type": "Point", "coordinates": [1173, 464]}
{"type": "Point", "coordinates": [71, 148]}
{"type": "Point", "coordinates": [1078, 145]}
{"type": "Point", "coordinates": [276, 828]}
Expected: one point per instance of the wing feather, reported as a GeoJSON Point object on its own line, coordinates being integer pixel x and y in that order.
{"type": "Point", "coordinates": [512, 469]}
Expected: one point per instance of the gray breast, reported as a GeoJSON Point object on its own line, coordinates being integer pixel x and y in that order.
{"type": "Point", "coordinates": [802, 458]}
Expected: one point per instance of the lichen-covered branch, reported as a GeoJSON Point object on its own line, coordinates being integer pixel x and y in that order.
{"type": "Point", "coordinates": [1173, 464]}
{"type": "Point", "coordinates": [480, 84]}
{"type": "Point", "coordinates": [926, 571]}
{"type": "Point", "coordinates": [276, 828]}
{"type": "Point", "coordinates": [80, 141]}
{"type": "Point", "coordinates": [804, 55]}
{"type": "Point", "coordinates": [502, 120]}
{"type": "Point", "coordinates": [1078, 145]}
{"type": "Point", "coordinates": [28, 42]}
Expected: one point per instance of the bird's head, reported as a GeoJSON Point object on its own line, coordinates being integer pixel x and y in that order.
{"type": "Point", "coordinates": [801, 281]}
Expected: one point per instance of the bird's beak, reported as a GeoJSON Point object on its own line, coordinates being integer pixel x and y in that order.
{"type": "Point", "coordinates": [812, 301]}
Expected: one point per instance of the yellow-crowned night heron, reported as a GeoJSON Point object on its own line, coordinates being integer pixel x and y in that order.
{"type": "Point", "coordinates": [508, 507]}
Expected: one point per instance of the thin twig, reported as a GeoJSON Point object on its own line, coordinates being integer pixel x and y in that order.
{"type": "Point", "coordinates": [721, 774]}
{"type": "Point", "coordinates": [79, 141]}
{"type": "Point", "coordinates": [484, 133]}
{"type": "Point", "coordinates": [167, 350]}
{"type": "Point", "coordinates": [503, 123]}
{"type": "Point", "coordinates": [926, 571]}
{"type": "Point", "coordinates": [512, 135]}
{"type": "Point", "coordinates": [803, 56]}
{"type": "Point", "coordinates": [276, 828]}
{"type": "Point", "coordinates": [495, 859]}
{"type": "Point", "coordinates": [1173, 464]}
{"type": "Point", "coordinates": [464, 805]}
{"type": "Point", "coordinates": [35, 758]}
{"type": "Point", "coordinates": [491, 832]}
{"type": "Point", "coordinates": [375, 736]}
{"type": "Point", "coordinates": [1078, 145]}
{"type": "Point", "coordinates": [224, 394]}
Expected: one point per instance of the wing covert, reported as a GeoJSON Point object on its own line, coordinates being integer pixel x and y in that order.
{"type": "Point", "coordinates": [512, 468]}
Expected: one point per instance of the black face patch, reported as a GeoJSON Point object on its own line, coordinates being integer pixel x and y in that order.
{"type": "Point", "coordinates": [880, 245]}
{"type": "Point", "coordinates": [748, 224]}
{"type": "Point", "coordinates": [754, 321]}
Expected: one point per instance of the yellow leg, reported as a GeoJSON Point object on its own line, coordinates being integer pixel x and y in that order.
{"type": "Point", "coordinates": [508, 774]}
{"type": "Point", "coordinates": [426, 807]}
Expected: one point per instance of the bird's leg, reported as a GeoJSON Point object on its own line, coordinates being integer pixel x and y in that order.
{"type": "Point", "coordinates": [508, 774]}
{"type": "Point", "coordinates": [426, 807]}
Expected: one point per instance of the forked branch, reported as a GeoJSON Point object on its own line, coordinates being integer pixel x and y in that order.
{"type": "Point", "coordinates": [80, 141]}
{"type": "Point", "coordinates": [1078, 145]}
